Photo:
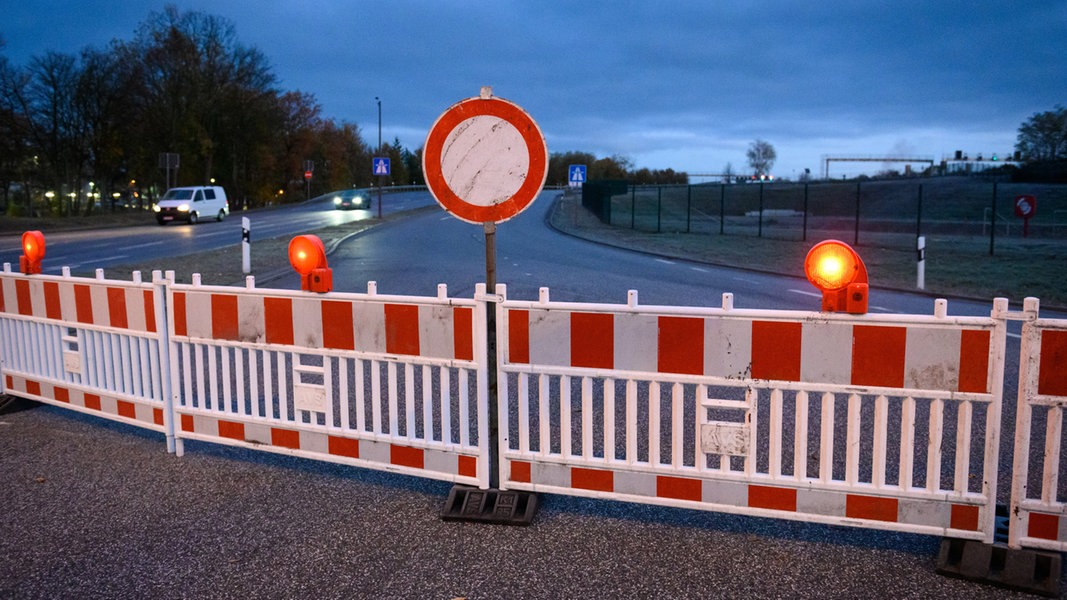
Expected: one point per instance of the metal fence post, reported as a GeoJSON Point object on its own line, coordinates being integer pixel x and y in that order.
{"type": "Point", "coordinates": [633, 206]}
{"type": "Point", "coordinates": [804, 234]}
{"type": "Point", "coordinates": [856, 236]}
{"type": "Point", "coordinates": [659, 208]}
{"type": "Point", "coordinates": [993, 219]}
{"type": "Point", "coordinates": [760, 229]}
{"type": "Point", "coordinates": [722, 208]}
{"type": "Point", "coordinates": [688, 207]}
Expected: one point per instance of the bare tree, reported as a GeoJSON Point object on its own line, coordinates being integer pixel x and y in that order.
{"type": "Point", "coordinates": [761, 156]}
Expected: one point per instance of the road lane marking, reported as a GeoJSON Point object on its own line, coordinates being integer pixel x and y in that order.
{"type": "Point", "coordinates": [807, 293]}
{"type": "Point", "coordinates": [700, 270]}
{"type": "Point", "coordinates": [665, 261]}
{"type": "Point", "coordinates": [146, 245]}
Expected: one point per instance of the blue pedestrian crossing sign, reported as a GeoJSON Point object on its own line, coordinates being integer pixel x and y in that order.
{"type": "Point", "coordinates": [381, 165]}
{"type": "Point", "coordinates": [576, 175]}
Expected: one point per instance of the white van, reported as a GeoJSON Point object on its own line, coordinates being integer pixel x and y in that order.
{"type": "Point", "coordinates": [192, 204]}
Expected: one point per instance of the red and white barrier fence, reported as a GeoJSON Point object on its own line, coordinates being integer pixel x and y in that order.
{"type": "Point", "coordinates": [92, 345]}
{"type": "Point", "coordinates": [883, 421]}
{"type": "Point", "coordinates": [1039, 491]}
{"type": "Point", "coordinates": [386, 382]}
{"type": "Point", "coordinates": [879, 421]}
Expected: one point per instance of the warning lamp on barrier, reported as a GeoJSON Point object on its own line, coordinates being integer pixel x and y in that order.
{"type": "Point", "coordinates": [308, 257]}
{"type": "Point", "coordinates": [32, 252]}
{"type": "Point", "coordinates": [839, 273]}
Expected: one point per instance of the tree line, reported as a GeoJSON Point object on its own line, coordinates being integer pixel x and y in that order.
{"type": "Point", "coordinates": [92, 128]}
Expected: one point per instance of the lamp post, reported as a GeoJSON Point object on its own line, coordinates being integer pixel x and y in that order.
{"type": "Point", "coordinates": [379, 101]}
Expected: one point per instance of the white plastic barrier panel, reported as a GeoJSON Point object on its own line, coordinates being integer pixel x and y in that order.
{"type": "Point", "coordinates": [385, 382]}
{"type": "Point", "coordinates": [1039, 487]}
{"type": "Point", "coordinates": [90, 345]}
{"type": "Point", "coordinates": [884, 421]}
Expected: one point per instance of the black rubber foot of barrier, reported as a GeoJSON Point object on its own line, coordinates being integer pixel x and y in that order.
{"type": "Point", "coordinates": [1025, 570]}
{"type": "Point", "coordinates": [509, 507]}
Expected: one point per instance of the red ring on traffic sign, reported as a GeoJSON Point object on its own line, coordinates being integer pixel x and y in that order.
{"type": "Point", "coordinates": [434, 149]}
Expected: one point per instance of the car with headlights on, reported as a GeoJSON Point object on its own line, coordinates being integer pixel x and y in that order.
{"type": "Point", "coordinates": [351, 200]}
{"type": "Point", "coordinates": [190, 204]}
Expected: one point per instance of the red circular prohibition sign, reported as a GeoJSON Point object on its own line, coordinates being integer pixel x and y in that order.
{"type": "Point", "coordinates": [434, 149]}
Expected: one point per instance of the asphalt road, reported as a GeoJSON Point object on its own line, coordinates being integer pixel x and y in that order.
{"type": "Point", "coordinates": [94, 509]}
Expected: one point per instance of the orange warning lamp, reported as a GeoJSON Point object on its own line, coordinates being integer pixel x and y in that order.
{"type": "Point", "coordinates": [308, 257]}
{"type": "Point", "coordinates": [836, 269]}
{"type": "Point", "coordinates": [33, 252]}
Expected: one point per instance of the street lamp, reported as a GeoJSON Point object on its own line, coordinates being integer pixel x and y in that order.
{"type": "Point", "coordinates": [379, 101]}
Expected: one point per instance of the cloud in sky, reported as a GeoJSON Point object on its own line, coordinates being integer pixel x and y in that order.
{"type": "Point", "coordinates": [686, 85]}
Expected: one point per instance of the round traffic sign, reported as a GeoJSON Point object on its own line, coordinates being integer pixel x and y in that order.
{"type": "Point", "coordinates": [1025, 206]}
{"type": "Point", "coordinates": [485, 160]}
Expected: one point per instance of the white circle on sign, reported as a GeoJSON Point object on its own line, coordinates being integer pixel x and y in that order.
{"type": "Point", "coordinates": [485, 160]}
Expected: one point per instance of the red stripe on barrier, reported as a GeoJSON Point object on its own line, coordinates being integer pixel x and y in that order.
{"type": "Point", "coordinates": [278, 320]}
{"type": "Point", "coordinates": [871, 507]}
{"type": "Point", "coordinates": [53, 308]}
{"type": "Point", "coordinates": [187, 423]}
{"type": "Point", "coordinates": [679, 488]}
{"type": "Point", "coordinates": [116, 307]}
{"type": "Point", "coordinates": [286, 438]}
{"type": "Point", "coordinates": [181, 326]}
{"type": "Point", "coordinates": [878, 355]}
{"type": "Point", "coordinates": [157, 416]}
{"type": "Point", "coordinates": [402, 329]}
{"type": "Point", "coordinates": [974, 361]}
{"type": "Point", "coordinates": [224, 317]}
{"type": "Point", "coordinates": [776, 350]}
{"type": "Point", "coordinates": [1043, 526]}
{"type": "Point", "coordinates": [774, 498]}
{"type": "Point", "coordinates": [592, 479]}
{"type": "Point", "coordinates": [22, 296]}
{"type": "Point", "coordinates": [339, 446]}
{"type": "Point", "coordinates": [463, 333]}
{"type": "Point", "coordinates": [680, 347]}
{"type": "Point", "coordinates": [468, 466]}
{"type": "Point", "coordinates": [83, 303]}
{"type": "Point", "coordinates": [338, 326]}
{"type": "Point", "coordinates": [520, 471]}
{"type": "Point", "coordinates": [593, 340]}
{"type": "Point", "coordinates": [519, 337]}
{"type": "Point", "coordinates": [1052, 376]}
{"type": "Point", "coordinates": [964, 517]}
{"type": "Point", "coordinates": [10, 382]}
{"type": "Point", "coordinates": [92, 401]}
{"type": "Point", "coordinates": [3, 306]}
{"type": "Point", "coordinates": [149, 311]}
{"type": "Point", "coordinates": [126, 409]}
{"type": "Point", "coordinates": [33, 387]}
{"type": "Point", "coordinates": [232, 430]}
{"type": "Point", "coordinates": [406, 456]}
{"type": "Point", "coordinates": [61, 394]}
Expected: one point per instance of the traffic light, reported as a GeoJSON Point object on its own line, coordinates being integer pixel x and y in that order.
{"type": "Point", "coordinates": [307, 255]}
{"type": "Point", "coordinates": [839, 273]}
{"type": "Point", "coordinates": [33, 252]}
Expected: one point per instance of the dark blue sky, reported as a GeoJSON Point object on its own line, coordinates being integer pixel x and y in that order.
{"type": "Point", "coordinates": [685, 85]}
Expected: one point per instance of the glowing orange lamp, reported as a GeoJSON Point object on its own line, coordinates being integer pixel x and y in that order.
{"type": "Point", "coordinates": [839, 273]}
{"type": "Point", "coordinates": [307, 254]}
{"type": "Point", "coordinates": [33, 252]}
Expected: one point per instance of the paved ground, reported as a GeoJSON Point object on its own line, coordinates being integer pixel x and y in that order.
{"type": "Point", "coordinates": [94, 509]}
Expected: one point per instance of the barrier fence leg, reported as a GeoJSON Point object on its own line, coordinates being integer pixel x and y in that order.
{"type": "Point", "coordinates": [492, 505]}
{"type": "Point", "coordinates": [1000, 563]}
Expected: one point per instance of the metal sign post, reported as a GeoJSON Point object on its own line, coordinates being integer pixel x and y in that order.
{"type": "Point", "coordinates": [485, 161]}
